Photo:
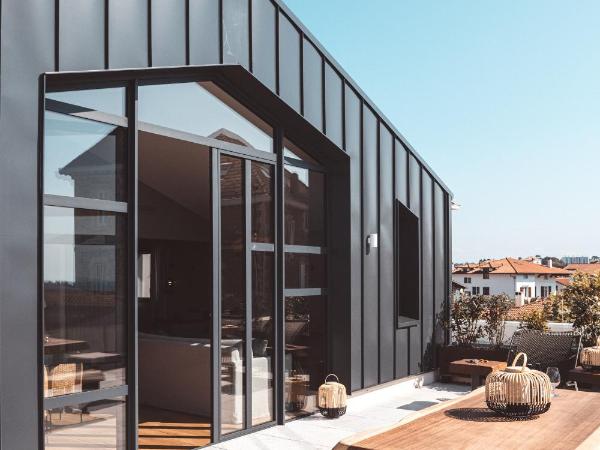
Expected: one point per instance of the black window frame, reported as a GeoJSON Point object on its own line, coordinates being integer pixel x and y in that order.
{"type": "Point", "coordinates": [408, 270]}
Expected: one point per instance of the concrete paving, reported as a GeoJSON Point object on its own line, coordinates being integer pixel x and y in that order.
{"type": "Point", "coordinates": [378, 408]}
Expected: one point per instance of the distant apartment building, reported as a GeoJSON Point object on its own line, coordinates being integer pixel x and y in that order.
{"type": "Point", "coordinates": [575, 260]}
{"type": "Point", "coordinates": [521, 279]}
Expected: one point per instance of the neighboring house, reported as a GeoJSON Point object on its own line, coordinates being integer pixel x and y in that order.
{"type": "Point", "coordinates": [562, 283]}
{"type": "Point", "coordinates": [518, 278]}
{"type": "Point", "coordinates": [202, 216]}
{"type": "Point", "coordinates": [586, 268]}
{"type": "Point", "coordinates": [575, 260]}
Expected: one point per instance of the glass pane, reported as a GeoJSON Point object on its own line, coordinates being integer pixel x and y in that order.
{"type": "Point", "coordinates": [262, 336]}
{"type": "Point", "coordinates": [85, 300]}
{"type": "Point", "coordinates": [292, 151]}
{"type": "Point", "coordinates": [305, 352]}
{"type": "Point", "coordinates": [233, 297]}
{"type": "Point", "coordinates": [83, 158]}
{"type": "Point", "coordinates": [303, 270]}
{"type": "Point", "coordinates": [304, 207]}
{"type": "Point", "coordinates": [110, 100]}
{"type": "Point", "coordinates": [205, 110]}
{"type": "Point", "coordinates": [262, 203]}
{"type": "Point", "coordinates": [96, 425]}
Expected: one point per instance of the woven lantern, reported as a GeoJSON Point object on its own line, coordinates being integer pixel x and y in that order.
{"type": "Point", "coordinates": [590, 357]}
{"type": "Point", "coordinates": [518, 391]}
{"type": "Point", "coordinates": [332, 398]}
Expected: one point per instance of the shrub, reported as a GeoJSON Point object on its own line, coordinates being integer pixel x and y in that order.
{"type": "Point", "coordinates": [494, 314]}
{"type": "Point", "coordinates": [582, 298]}
{"type": "Point", "coordinates": [465, 313]}
{"type": "Point", "coordinates": [535, 320]}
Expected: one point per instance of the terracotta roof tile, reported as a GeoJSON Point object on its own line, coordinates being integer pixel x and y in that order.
{"type": "Point", "coordinates": [510, 266]}
{"type": "Point", "coordinates": [587, 268]}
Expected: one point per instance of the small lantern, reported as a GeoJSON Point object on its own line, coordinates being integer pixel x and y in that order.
{"type": "Point", "coordinates": [332, 398]}
{"type": "Point", "coordinates": [590, 358]}
{"type": "Point", "coordinates": [295, 392]}
{"type": "Point", "coordinates": [518, 391]}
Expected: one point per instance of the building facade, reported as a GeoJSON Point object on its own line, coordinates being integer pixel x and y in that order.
{"type": "Point", "coordinates": [520, 279]}
{"type": "Point", "coordinates": [203, 216]}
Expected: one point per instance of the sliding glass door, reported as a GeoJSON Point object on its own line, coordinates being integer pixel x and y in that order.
{"type": "Point", "coordinates": [247, 292]}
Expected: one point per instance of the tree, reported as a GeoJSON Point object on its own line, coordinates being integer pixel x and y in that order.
{"type": "Point", "coordinates": [582, 298]}
{"type": "Point", "coordinates": [534, 320]}
{"type": "Point", "coordinates": [494, 314]}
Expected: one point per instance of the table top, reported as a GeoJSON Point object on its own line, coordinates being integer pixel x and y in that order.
{"type": "Point", "coordinates": [573, 422]}
{"type": "Point", "coordinates": [57, 342]}
{"type": "Point", "coordinates": [467, 366]}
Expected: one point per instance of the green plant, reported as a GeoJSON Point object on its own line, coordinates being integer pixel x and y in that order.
{"type": "Point", "coordinates": [534, 320]}
{"type": "Point", "coordinates": [494, 314]}
{"type": "Point", "coordinates": [465, 313]}
{"type": "Point", "coordinates": [582, 298]}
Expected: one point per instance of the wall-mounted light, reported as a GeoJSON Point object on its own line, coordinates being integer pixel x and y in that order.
{"type": "Point", "coordinates": [372, 242]}
{"type": "Point", "coordinates": [455, 206]}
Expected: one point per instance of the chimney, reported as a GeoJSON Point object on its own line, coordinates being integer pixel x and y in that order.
{"type": "Point", "coordinates": [549, 263]}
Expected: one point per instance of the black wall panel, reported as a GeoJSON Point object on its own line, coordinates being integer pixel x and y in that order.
{"type": "Point", "coordinates": [401, 358]}
{"type": "Point", "coordinates": [353, 145]}
{"type": "Point", "coordinates": [414, 352]}
{"type": "Point", "coordinates": [312, 80]}
{"type": "Point", "coordinates": [414, 185]}
{"type": "Point", "coordinates": [371, 255]}
{"type": "Point", "coordinates": [401, 173]}
{"type": "Point", "coordinates": [441, 268]}
{"type": "Point", "coordinates": [168, 33]}
{"type": "Point", "coordinates": [205, 32]}
{"type": "Point", "coordinates": [427, 269]}
{"type": "Point", "coordinates": [334, 118]}
{"type": "Point", "coordinates": [81, 35]}
{"type": "Point", "coordinates": [264, 47]}
{"type": "Point", "coordinates": [289, 62]}
{"type": "Point", "coordinates": [387, 318]}
{"type": "Point", "coordinates": [236, 48]}
{"type": "Point", "coordinates": [27, 42]}
{"type": "Point", "coordinates": [127, 33]}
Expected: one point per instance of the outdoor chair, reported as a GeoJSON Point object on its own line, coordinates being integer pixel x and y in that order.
{"type": "Point", "coordinates": [547, 349]}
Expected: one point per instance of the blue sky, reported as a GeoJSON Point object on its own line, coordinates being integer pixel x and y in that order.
{"type": "Point", "coordinates": [501, 98]}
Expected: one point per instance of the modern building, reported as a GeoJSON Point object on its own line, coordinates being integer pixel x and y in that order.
{"type": "Point", "coordinates": [520, 279]}
{"type": "Point", "coordinates": [575, 260]}
{"type": "Point", "coordinates": [202, 216]}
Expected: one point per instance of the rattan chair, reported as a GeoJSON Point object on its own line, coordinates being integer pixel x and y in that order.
{"type": "Point", "coordinates": [547, 349]}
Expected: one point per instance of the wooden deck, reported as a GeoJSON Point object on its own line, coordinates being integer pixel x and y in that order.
{"type": "Point", "coordinates": [168, 430]}
{"type": "Point", "coordinates": [573, 422]}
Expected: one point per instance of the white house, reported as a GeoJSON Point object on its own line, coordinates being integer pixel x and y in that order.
{"type": "Point", "coordinates": [518, 278]}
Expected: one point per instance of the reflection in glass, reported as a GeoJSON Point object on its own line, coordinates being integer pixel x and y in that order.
{"type": "Point", "coordinates": [262, 203]}
{"type": "Point", "coordinates": [97, 425]}
{"type": "Point", "coordinates": [305, 350]}
{"type": "Point", "coordinates": [304, 206]}
{"type": "Point", "coordinates": [109, 100]}
{"type": "Point", "coordinates": [205, 110]}
{"type": "Point", "coordinates": [85, 291]}
{"type": "Point", "coordinates": [83, 158]}
{"type": "Point", "coordinates": [233, 298]}
{"type": "Point", "coordinates": [262, 336]}
{"type": "Point", "coordinates": [304, 270]}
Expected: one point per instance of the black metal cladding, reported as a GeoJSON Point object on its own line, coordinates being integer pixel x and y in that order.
{"type": "Point", "coordinates": [40, 36]}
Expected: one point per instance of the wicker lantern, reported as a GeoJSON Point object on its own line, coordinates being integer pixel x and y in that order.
{"type": "Point", "coordinates": [590, 358]}
{"type": "Point", "coordinates": [332, 398]}
{"type": "Point", "coordinates": [518, 391]}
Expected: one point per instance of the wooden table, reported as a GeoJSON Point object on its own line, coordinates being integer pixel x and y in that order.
{"type": "Point", "coordinates": [476, 370]}
{"type": "Point", "coordinates": [573, 422]}
{"type": "Point", "coordinates": [585, 377]}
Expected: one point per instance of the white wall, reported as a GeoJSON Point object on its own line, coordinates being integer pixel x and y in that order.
{"type": "Point", "coordinates": [498, 284]}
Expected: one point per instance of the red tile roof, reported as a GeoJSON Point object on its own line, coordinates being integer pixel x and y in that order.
{"type": "Point", "coordinates": [518, 313]}
{"type": "Point", "coordinates": [564, 281]}
{"type": "Point", "coordinates": [510, 266]}
{"type": "Point", "coordinates": [587, 268]}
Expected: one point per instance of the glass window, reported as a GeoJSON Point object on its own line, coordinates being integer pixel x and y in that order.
{"type": "Point", "coordinates": [109, 100]}
{"type": "Point", "coordinates": [304, 206]}
{"type": "Point", "coordinates": [83, 158]}
{"type": "Point", "coordinates": [292, 151]}
{"type": "Point", "coordinates": [205, 110]}
{"type": "Point", "coordinates": [262, 203]}
{"type": "Point", "coordinates": [233, 295]}
{"type": "Point", "coordinates": [85, 293]}
{"type": "Point", "coordinates": [305, 353]}
{"type": "Point", "coordinates": [98, 425]}
{"type": "Point", "coordinates": [407, 253]}
{"type": "Point", "coordinates": [305, 270]}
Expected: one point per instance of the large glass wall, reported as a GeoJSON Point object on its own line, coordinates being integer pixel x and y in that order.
{"type": "Point", "coordinates": [85, 288]}
{"type": "Point", "coordinates": [305, 281]}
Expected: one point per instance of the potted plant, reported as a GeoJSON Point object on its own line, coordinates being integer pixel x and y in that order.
{"type": "Point", "coordinates": [472, 317]}
{"type": "Point", "coordinates": [581, 300]}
